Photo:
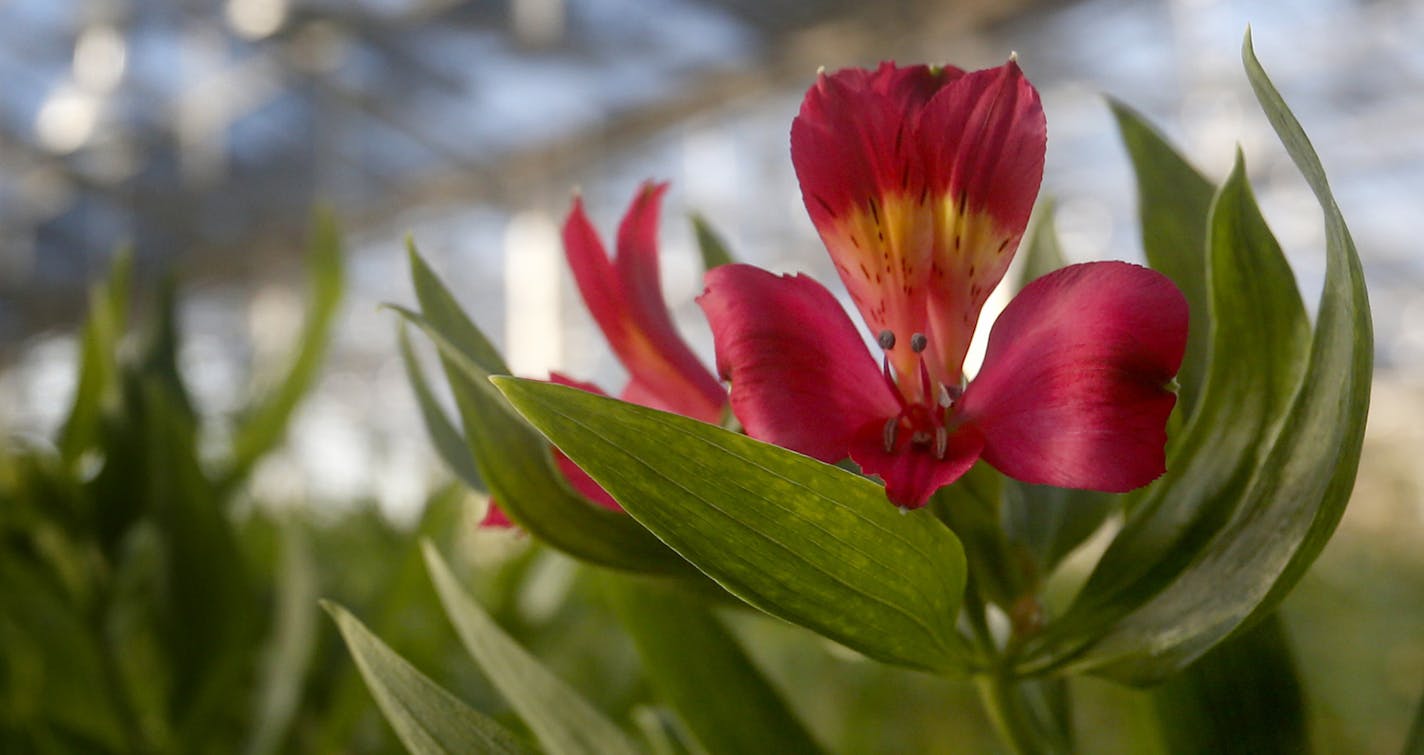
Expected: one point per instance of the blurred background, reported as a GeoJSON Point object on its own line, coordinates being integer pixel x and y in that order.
{"type": "Point", "coordinates": [201, 133]}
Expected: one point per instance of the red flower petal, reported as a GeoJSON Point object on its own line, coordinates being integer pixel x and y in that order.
{"type": "Point", "coordinates": [984, 138]}
{"type": "Point", "coordinates": [626, 299]}
{"type": "Point", "coordinates": [495, 517]}
{"type": "Point", "coordinates": [851, 141]}
{"type": "Point", "coordinates": [912, 475]}
{"type": "Point", "coordinates": [920, 183]}
{"type": "Point", "coordinates": [1073, 391]}
{"type": "Point", "coordinates": [801, 376]}
{"type": "Point", "coordinates": [863, 179]}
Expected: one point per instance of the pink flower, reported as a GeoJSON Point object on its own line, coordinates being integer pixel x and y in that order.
{"type": "Point", "coordinates": [920, 182]}
{"type": "Point", "coordinates": [626, 298]}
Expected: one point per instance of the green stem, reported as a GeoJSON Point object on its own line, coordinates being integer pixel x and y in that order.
{"type": "Point", "coordinates": [1031, 716]}
{"type": "Point", "coordinates": [1024, 713]}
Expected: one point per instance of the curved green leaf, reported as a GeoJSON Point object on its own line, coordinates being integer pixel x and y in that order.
{"type": "Point", "coordinates": [564, 722]}
{"type": "Point", "coordinates": [1289, 506]}
{"type": "Point", "coordinates": [98, 354]}
{"type": "Point", "coordinates": [512, 459]}
{"type": "Point", "coordinates": [1258, 345]}
{"type": "Point", "coordinates": [264, 424]}
{"type": "Point", "coordinates": [447, 438]}
{"type": "Point", "coordinates": [808, 542]}
{"type": "Point", "coordinates": [686, 654]}
{"type": "Point", "coordinates": [428, 720]}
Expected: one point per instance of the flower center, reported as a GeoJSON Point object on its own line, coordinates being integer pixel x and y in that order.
{"type": "Point", "coordinates": [923, 424]}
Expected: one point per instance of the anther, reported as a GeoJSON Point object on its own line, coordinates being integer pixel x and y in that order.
{"type": "Point", "coordinates": [918, 342]}
{"type": "Point", "coordinates": [891, 425]}
{"type": "Point", "coordinates": [941, 442]}
{"type": "Point", "coordinates": [886, 339]}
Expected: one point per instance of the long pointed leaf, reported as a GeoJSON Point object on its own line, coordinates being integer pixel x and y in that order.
{"type": "Point", "coordinates": [1296, 496]}
{"type": "Point", "coordinates": [1259, 342]}
{"type": "Point", "coordinates": [512, 459]}
{"type": "Point", "coordinates": [805, 541]}
{"type": "Point", "coordinates": [428, 720]}
{"type": "Point", "coordinates": [98, 353]}
{"type": "Point", "coordinates": [696, 665]}
{"type": "Point", "coordinates": [448, 440]}
{"type": "Point", "coordinates": [515, 461]}
{"type": "Point", "coordinates": [264, 424]}
{"type": "Point", "coordinates": [564, 722]}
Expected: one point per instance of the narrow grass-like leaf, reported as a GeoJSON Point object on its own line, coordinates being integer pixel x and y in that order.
{"type": "Point", "coordinates": [428, 720]}
{"type": "Point", "coordinates": [210, 617]}
{"type": "Point", "coordinates": [1259, 342]}
{"type": "Point", "coordinates": [1297, 492]}
{"type": "Point", "coordinates": [1173, 202]}
{"type": "Point", "coordinates": [808, 542]}
{"type": "Point", "coordinates": [515, 462]}
{"type": "Point", "coordinates": [698, 668]}
{"type": "Point", "coordinates": [288, 653]}
{"type": "Point", "coordinates": [710, 244]}
{"type": "Point", "coordinates": [511, 458]}
{"type": "Point", "coordinates": [447, 438]}
{"type": "Point", "coordinates": [564, 722]}
{"type": "Point", "coordinates": [264, 425]}
{"type": "Point", "coordinates": [98, 358]}
{"type": "Point", "coordinates": [1242, 697]}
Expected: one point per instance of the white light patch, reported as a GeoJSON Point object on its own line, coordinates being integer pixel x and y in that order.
{"type": "Point", "coordinates": [99, 58]}
{"type": "Point", "coordinates": [67, 119]}
{"type": "Point", "coordinates": [255, 19]}
{"type": "Point", "coordinates": [995, 304]}
{"type": "Point", "coordinates": [533, 260]}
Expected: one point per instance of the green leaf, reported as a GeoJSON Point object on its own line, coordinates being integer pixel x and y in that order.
{"type": "Point", "coordinates": [1259, 341]}
{"type": "Point", "coordinates": [564, 722]}
{"type": "Point", "coordinates": [1242, 697]}
{"type": "Point", "coordinates": [1173, 201]}
{"type": "Point", "coordinates": [210, 622]}
{"type": "Point", "coordinates": [686, 654]}
{"type": "Point", "coordinates": [52, 662]}
{"type": "Point", "coordinates": [710, 245]}
{"type": "Point", "coordinates": [426, 718]}
{"type": "Point", "coordinates": [1299, 486]}
{"type": "Point", "coordinates": [160, 358]}
{"type": "Point", "coordinates": [288, 654]}
{"type": "Point", "coordinates": [514, 460]}
{"type": "Point", "coordinates": [805, 541]}
{"type": "Point", "coordinates": [98, 384]}
{"type": "Point", "coordinates": [264, 424]}
{"type": "Point", "coordinates": [1050, 522]}
{"type": "Point", "coordinates": [449, 441]}
{"type": "Point", "coordinates": [1041, 251]}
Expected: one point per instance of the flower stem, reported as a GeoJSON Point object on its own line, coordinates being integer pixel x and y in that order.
{"type": "Point", "coordinates": [1030, 715]}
